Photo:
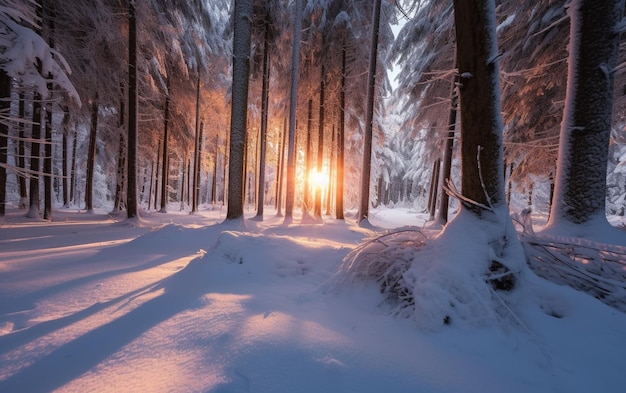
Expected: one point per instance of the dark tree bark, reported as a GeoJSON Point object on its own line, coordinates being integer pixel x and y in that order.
{"type": "Point", "coordinates": [308, 159]}
{"type": "Point", "coordinates": [239, 109]}
{"type": "Point", "coordinates": [5, 106]}
{"type": "Point", "coordinates": [120, 181]}
{"type": "Point", "coordinates": [21, 152]}
{"type": "Point", "coordinates": [132, 205]}
{"type": "Point", "coordinates": [444, 198]}
{"type": "Point", "coordinates": [580, 191]}
{"type": "Point", "coordinates": [366, 167]}
{"type": "Point", "coordinates": [47, 161]}
{"type": "Point", "coordinates": [341, 137]}
{"type": "Point", "coordinates": [65, 171]}
{"type": "Point", "coordinates": [91, 156]}
{"type": "Point", "coordinates": [156, 176]}
{"type": "Point", "coordinates": [293, 101]}
{"type": "Point", "coordinates": [73, 167]}
{"type": "Point", "coordinates": [317, 211]}
{"type": "Point", "coordinates": [165, 170]}
{"type": "Point", "coordinates": [482, 174]}
{"type": "Point", "coordinates": [281, 170]}
{"type": "Point", "coordinates": [196, 152]}
{"type": "Point", "coordinates": [264, 112]}
{"type": "Point", "coordinates": [33, 209]}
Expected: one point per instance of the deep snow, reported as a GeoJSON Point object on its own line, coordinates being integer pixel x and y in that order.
{"type": "Point", "coordinates": [182, 303]}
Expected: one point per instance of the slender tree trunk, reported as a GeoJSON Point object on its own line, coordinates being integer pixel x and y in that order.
{"type": "Point", "coordinates": [120, 183]}
{"type": "Point", "coordinates": [198, 169]}
{"type": "Point", "coordinates": [366, 168]}
{"type": "Point", "coordinates": [329, 188]}
{"type": "Point", "coordinates": [317, 211]}
{"type": "Point", "coordinates": [341, 136]}
{"type": "Point", "coordinates": [435, 189]}
{"type": "Point", "coordinates": [281, 170]}
{"type": "Point", "coordinates": [510, 184]}
{"type": "Point", "coordinates": [91, 156]}
{"type": "Point", "coordinates": [444, 198]}
{"type": "Point", "coordinates": [73, 167]}
{"type": "Point", "coordinates": [47, 161]}
{"type": "Point", "coordinates": [293, 101]}
{"type": "Point", "coordinates": [132, 206]}
{"type": "Point", "coordinates": [308, 161]}
{"type": "Point", "coordinates": [580, 193]}
{"type": "Point", "coordinates": [214, 179]}
{"type": "Point", "coordinates": [33, 210]}
{"type": "Point", "coordinates": [65, 153]}
{"type": "Point", "coordinates": [21, 152]}
{"type": "Point", "coordinates": [165, 170]}
{"type": "Point", "coordinates": [159, 157]}
{"type": "Point", "coordinates": [5, 108]}
{"type": "Point", "coordinates": [264, 112]}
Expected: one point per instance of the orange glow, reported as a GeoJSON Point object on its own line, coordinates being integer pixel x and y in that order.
{"type": "Point", "coordinates": [318, 179]}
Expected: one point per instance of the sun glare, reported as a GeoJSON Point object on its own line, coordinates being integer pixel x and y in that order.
{"type": "Point", "coordinates": [318, 179]}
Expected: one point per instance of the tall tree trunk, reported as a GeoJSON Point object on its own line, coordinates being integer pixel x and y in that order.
{"type": "Point", "coordinates": [444, 198]}
{"type": "Point", "coordinates": [366, 167]}
{"type": "Point", "coordinates": [21, 152]}
{"type": "Point", "coordinates": [239, 109]}
{"type": "Point", "coordinates": [281, 170]}
{"type": "Point", "coordinates": [159, 157]}
{"type": "Point", "coordinates": [165, 170]}
{"type": "Point", "coordinates": [120, 180]}
{"type": "Point", "coordinates": [317, 211]}
{"type": "Point", "coordinates": [329, 188]}
{"type": "Point", "coordinates": [91, 156]}
{"type": "Point", "coordinates": [308, 159]}
{"type": "Point", "coordinates": [132, 206]}
{"type": "Point", "coordinates": [580, 192]}
{"type": "Point", "coordinates": [435, 189]}
{"type": "Point", "coordinates": [293, 101]}
{"type": "Point", "coordinates": [341, 136]}
{"type": "Point", "coordinates": [482, 173]}
{"type": "Point", "coordinates": [5, 108]}
{"type": "Point", "coordinates": [214, 179]}
{"type": "Point", "coordinates": [264, 112]}
{"type": "Point", "coordinates": [65, 171]}
{"type": "Point", "coordinates": [198, 168]}
{"type": "Point", "coordinates": [73, 166]}
{"type": "Point", "coordinates": [33, 210]}
{"type": "Point", "coordinates": [47, 160]}
{"type": "Point", "coordinates": [194, 199]}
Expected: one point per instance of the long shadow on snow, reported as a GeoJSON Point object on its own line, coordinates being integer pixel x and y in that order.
{"type": "Point", "coordinates": [77, 357]}
{"type": "Point", "coordinates": [102, 258]}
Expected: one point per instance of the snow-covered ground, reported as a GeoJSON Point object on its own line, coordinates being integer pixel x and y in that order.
{"type": "Point", "coordinates": [181, 303]}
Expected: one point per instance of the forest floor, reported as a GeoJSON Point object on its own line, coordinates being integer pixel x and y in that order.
{"type": "Point", "coordinates": [185, 303]}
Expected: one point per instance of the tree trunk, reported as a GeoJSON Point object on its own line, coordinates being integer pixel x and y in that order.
{"type": "Point", "coordinates": [264, 111]}
{"type": "Point", "coordinates": [91, 156]}
{"type": "Point", "coordinates": [239, 109]}
{"type": "Point", "coordinates": [21, 152]}
{"type": "Point", "coordinates": [317, 211]}
{"type": "Point", "coordinates": [444, 201]}
{"type": "Point", "coordinates": [293, 101]}
{"type": "Point", "coordinates": [5, 107]}
{"type": "Point", "coordinates": [73, 167]}
{"type": "Point", "coordinates": [198, 168]}
{"type": "Point", "coordinates": [482, 173]}
{"type": "Point", "coordinates": [366, 167]}
{"type": "Point", "coordinates": [580, 192]}
{"type": "Point", "coordinates": [434, 189]}
{"type": "Point", "coordinates": [281, 170]}
{"type": "Point", "coordinates": [132, 206]}
{"type": "Point", "coordinates": [308, 162]}
{"type": "Point", "coordinates": [47, 160]}
{"type": "Point", "coordinates": [165, 170]}
{"type": "Point", "coordinates": [33, 210]}
{"type": "Point", "coordinates": [159, 157]}
{"type": "Point", "coordinates": [65, 172]}
{"type": "Point", "coordinates": [120, 183]}
{"type": "Point", "coordinates": [341, 136]}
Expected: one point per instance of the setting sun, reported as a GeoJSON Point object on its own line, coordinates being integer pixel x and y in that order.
{"type": "Point", "coordinates": [318, 179]}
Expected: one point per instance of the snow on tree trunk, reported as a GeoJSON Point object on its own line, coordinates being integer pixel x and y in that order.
{"type": "Point", "coordinates": [366, 168]}
{"type": "Point", "coordinates": [290, 190]}
{"type": "Point", "coordinates": [580, 192]}
{"type": "Point", "coordinates": [341, 136]}
{"type": "Point", "coordinates": [317, 210]}
{"type": "Point", "coordinates": [165, 170]}
{"type": "Point", "coordinates": [239, 111]}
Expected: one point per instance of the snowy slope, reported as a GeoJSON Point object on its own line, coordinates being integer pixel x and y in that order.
{"type": "Point", "coordinates": [182, 304]}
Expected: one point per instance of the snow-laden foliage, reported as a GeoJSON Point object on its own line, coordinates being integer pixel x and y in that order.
{"type": "Point", "coordinates": [25, 55]}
